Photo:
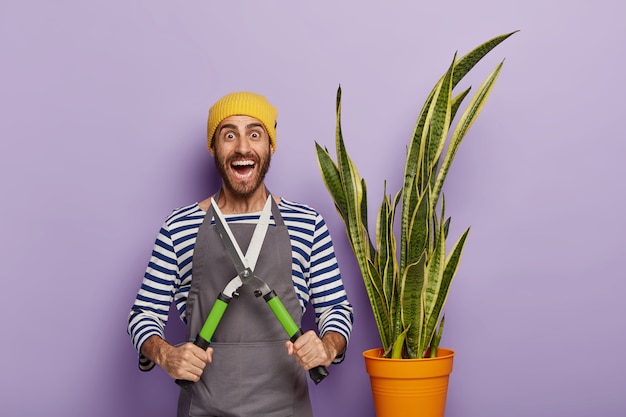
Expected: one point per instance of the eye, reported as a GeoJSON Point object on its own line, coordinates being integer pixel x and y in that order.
{"type": "Point", "coordinates": [229, 135]}
{"type": "Point", "coordinates": [255, 135]}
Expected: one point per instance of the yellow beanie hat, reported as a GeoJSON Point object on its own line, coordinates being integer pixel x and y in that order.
{"type": "Point", "coordinates": [243, 104]}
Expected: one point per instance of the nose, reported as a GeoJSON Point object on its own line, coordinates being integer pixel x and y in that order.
{"type": "Point", "coordinates": [243, 145]}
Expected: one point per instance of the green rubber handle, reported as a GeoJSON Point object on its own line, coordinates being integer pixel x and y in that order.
{"type": "Point", "coordinates": [283, 316]}
{"type": "Point", "coordinates": [318, 373]}
{"type": "Point", "coordinates": [215, 316]}
{"type": "Point", "coordinates": [203, 339]}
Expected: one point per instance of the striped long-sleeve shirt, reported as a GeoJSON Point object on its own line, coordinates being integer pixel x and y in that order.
{"type": "Point", "coordinates": [167, 279]}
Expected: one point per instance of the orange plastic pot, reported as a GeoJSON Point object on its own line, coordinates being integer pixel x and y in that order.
{"type": "Point", "coordinates": [409, 387]}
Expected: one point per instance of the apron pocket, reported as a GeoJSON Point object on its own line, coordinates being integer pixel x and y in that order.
{"type": "Point", "coordinates": [249, 379]}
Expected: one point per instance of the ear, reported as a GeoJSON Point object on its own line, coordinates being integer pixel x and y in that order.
{"type": "Point", "coordinates": [212, 148]}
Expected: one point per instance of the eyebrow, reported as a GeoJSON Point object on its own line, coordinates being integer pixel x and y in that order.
{"type": "Point", "coordinates": [253, 125]}
{"type": "Point", "coordinates": [249, 126]}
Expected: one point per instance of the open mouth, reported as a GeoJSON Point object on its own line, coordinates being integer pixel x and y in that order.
{"type": "Point", "coordinates": [244, 168]}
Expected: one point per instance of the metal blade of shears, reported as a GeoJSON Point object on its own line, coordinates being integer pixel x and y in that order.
{"type": "Point", "coordinates": [239, 260]}
{"type": "Point", "coordinates": [242, 266]}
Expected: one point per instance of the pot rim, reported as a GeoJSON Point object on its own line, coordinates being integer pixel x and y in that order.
{"type": "Point", "coordinates": [374, 354]}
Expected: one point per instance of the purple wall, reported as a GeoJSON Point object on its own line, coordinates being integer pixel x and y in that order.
{"type": "Point", "coordinates": [102, 127]}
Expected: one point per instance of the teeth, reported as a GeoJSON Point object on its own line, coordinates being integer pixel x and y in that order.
{"type": "Point", "coordinates": [243, 163]}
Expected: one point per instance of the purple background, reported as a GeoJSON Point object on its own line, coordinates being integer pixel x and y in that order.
{"type": "Point", "coordinates": [103, 110]}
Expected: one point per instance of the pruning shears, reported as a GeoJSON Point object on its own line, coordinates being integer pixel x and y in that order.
{"type": "Point", "coordinates": [245, 276]}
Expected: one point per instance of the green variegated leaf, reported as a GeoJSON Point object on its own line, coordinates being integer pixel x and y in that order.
{"type": "Point", "coordinates": [434, 345]}
{"type": "Point", "coordinates": [412, 308]}
{"type": "Point", "coordinates": [410, 198]}
{"type": "Point", "coordinates": [434, 272]}
{"type": "Point", "coordinates": [446, 226]}
{"type": "Point", "coordinates": [469, 60]}
{"type": "Point", "coordinates": [441, 109]}
{"type": "Point", "coordinates": [351, 183]}
{"type": "Point", "coordinates": [473, 109]}
{"type": "Point", "coordinates": [396, 351]}
{"type": "Point", "coordinates": [418, 235]}
{"type": "Point", "coordinates": [465, 122]}
{"type": "Point", "coordinates": [457, 101]}
{"type": "Point", "coordinates": [386, 243]}
{"type": "Point", "coordinates": [415, 173]}
{"type": "Point", "coordinates": [330, 175]}
{"type": "Point", "coordinates": [364, 217]}
{"type": "Point", "coordinates": [447, 275]}
{"type": "Point", "coordinates": [373, 287]}
{"type": "Point", "coordinates": [436, 226]}
{"type": "Point", "coordinates": [418, 140]}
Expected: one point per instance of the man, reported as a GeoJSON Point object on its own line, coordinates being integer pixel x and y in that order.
{"type": "Point", "coordinates": [250, 368]}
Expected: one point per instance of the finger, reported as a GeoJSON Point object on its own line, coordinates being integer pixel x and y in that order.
{"type": "Point", "coordinates": [197, 353]}
{"type": "Point", "coordinates": [192, 358]}
{"type": "Point", "coordinates": [188, 375]}
{"type": "Point", "coordinates": [186, 372]}
{"type": "Point", "coordinates": [312, 347]}
{"type": "Point", "coordinates": [195, 368]}
{"type": "Point", "coordinates": [306, 338]}
{"type": "Point", "coordinates": [316, 355]}
{"type": "Point", "coordinates": [307, 358]}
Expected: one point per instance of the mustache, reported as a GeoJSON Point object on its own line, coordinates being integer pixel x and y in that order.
{"type": "Point", "coordinates": [249, 155]}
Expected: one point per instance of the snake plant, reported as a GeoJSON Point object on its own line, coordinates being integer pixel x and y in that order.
{"type": "Point", "coordinates": [408, 286]}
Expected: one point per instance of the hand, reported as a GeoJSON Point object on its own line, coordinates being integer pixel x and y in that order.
{"type": "Point", "coordinates": [186, 361]}
{"type": "Point", "coordinates": [311, 351]}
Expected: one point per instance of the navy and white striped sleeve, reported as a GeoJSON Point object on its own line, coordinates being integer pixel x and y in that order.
{"type": "Point", "coordinates": [333, 311]}
{"type": "Point", "coordinates": [149, 313]}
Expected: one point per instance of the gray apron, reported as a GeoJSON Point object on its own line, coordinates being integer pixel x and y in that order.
{"type": "Point", "coordinates": [251, 373]}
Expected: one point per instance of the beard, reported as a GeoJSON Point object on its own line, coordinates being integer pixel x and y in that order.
{"type": "Point", "coordinates": [242, 189]}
